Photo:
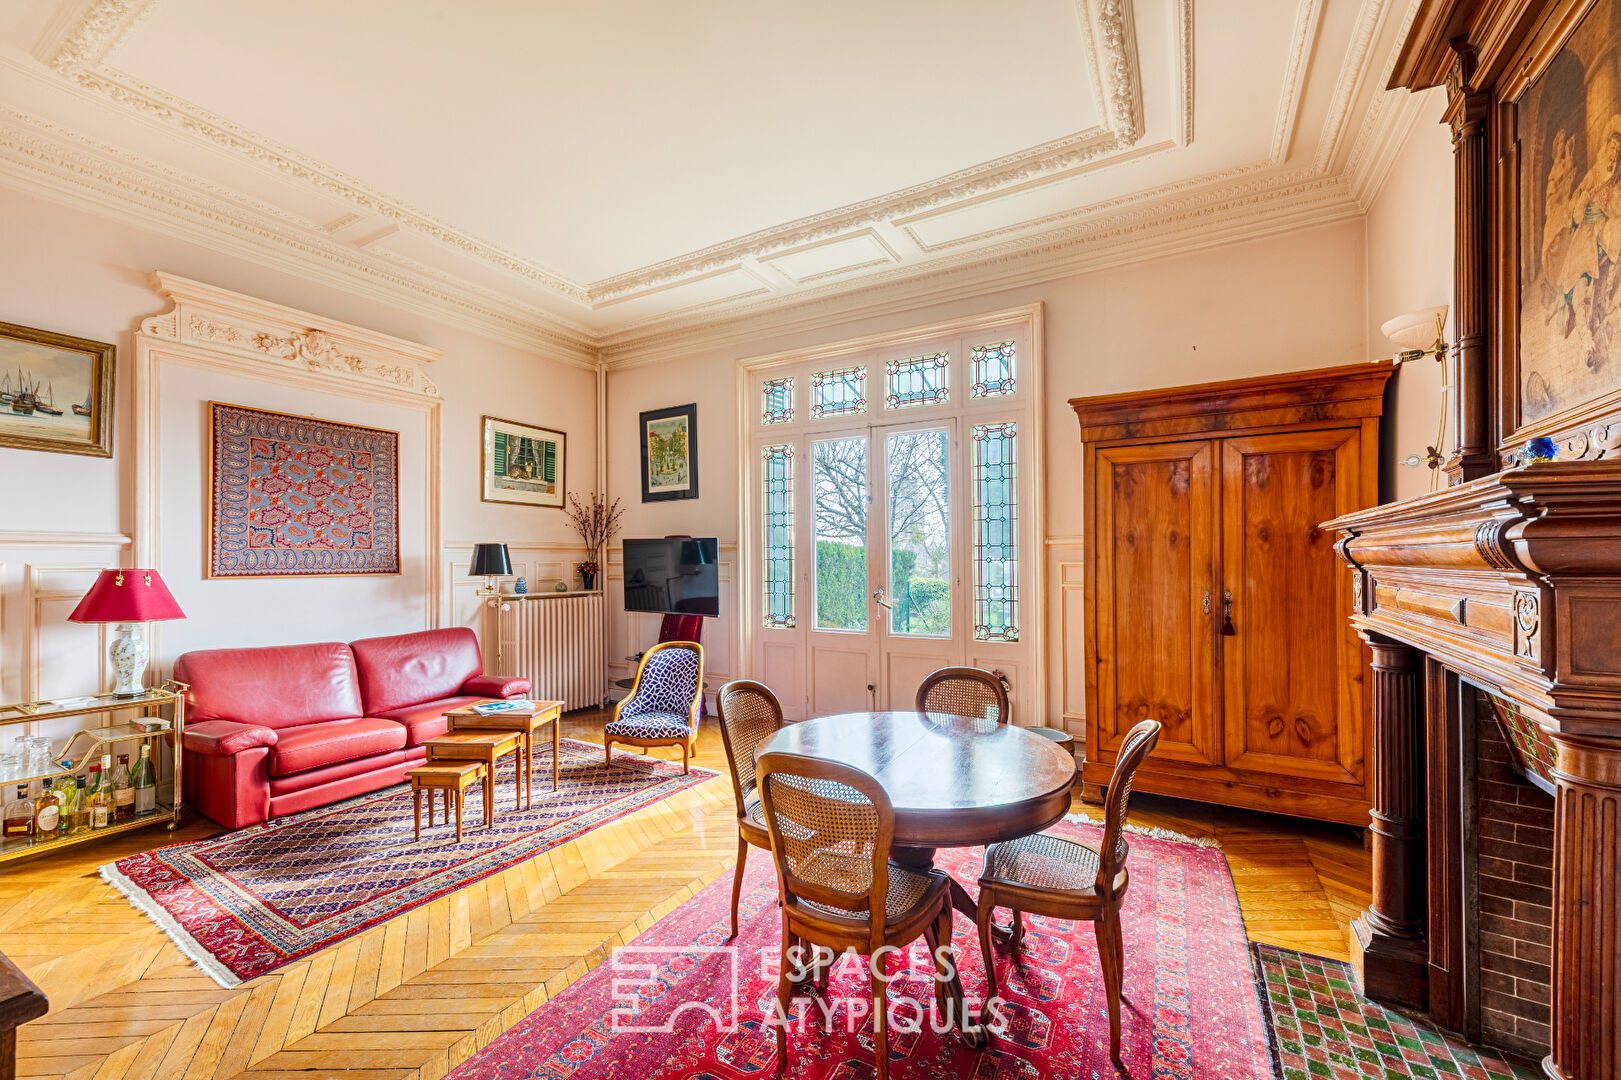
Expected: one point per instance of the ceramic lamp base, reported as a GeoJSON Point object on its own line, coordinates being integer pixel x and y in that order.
{"type": "Point", "coordinates": [128, 653]}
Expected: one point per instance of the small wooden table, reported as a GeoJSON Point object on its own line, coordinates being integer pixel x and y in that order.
{"type": "Point", "coordinates": [525, 724]}
{"type": "Point", "coordinates": [486, 747]}
{"type": "Point", "coordinates": [452, 778]}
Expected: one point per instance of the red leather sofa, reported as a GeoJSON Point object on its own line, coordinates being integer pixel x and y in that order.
{"type": "Point", "coordinates": [273, 731]}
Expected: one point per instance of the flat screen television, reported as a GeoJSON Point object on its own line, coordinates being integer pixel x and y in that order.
{"type": "Point", "coordinates": [676, 576]}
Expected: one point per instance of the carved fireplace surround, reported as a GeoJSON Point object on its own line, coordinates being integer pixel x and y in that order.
{"type": "Point", "coordinates": [1512, 583]}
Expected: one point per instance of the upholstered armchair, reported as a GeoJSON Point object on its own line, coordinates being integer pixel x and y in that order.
{"type": "Point", "coordinates": [664, 702]}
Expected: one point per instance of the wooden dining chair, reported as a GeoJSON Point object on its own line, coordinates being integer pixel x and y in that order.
{"type": "Point", "coordinates": [831, 827]}
{"type": "Point", "coordinates": [749, 715]}
{"type": "Point", "coordinates": [964, 691]}
{"type": "Point", "coordinates": [1064, 879]}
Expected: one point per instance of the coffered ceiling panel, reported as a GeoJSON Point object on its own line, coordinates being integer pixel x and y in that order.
{"type": "Point", "coordinates": [591, 175]}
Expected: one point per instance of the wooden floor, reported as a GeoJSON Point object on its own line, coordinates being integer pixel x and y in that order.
{"type": "Point", "coordinates": [416, 996]}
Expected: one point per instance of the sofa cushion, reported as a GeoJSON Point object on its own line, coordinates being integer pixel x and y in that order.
{"type": "Point", "coordinates": [284, 686]}
{"type": "Point", "coordinates": [408, 669]}
{"type": "Point", "coordinates": [427, 720]}
{"type": "Point", "coordinates": [314, 745]}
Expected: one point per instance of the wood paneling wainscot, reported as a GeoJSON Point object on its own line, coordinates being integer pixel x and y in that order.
{"type": "Point", "coordinates": [1216, 605]}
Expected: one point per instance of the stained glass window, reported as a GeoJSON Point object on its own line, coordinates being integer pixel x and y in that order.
{"type": "Point", "coordinates": [778, 395]}
{"type": "Point", "coordinates": [992, 369]}
{"type": "Point", "coordinates": [921, 380]}
{"type": "Point", "coordinates": [996, 533]}
{"type": "Point", "coordinates": [835, 393]}
{"type": "Point", "coordinates": [778, 545]}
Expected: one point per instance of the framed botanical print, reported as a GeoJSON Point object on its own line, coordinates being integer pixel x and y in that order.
{"type": "Point", "coordinates": [522, 463]}
{"type": "Point", "coordinates": [56, 392]}
{"type": "Point", "coordinates": [670, 453]}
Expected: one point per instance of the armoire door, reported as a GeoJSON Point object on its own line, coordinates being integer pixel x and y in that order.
{"type": "Point", "coordinates": [1291, 668]}
{"type": "Point", "coordinates": [1156, 538]}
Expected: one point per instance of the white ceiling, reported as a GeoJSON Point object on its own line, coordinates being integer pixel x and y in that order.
{"type": "Point", "coordinates": [601, 175]}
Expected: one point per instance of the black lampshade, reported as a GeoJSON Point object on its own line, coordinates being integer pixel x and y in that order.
{"type": "Point", "coordinates": [490, 560]}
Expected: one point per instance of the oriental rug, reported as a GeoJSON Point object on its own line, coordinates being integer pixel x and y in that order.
{"type": "Point", "coordinates": [682, 1000]}
{"type": "Point", "coordinates": [246, 902]}
{"type": "Point", "coordinates": [1321, 1027]}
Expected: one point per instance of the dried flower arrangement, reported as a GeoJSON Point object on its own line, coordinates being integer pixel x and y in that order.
{"type": "Point", "coordinates": [596, 520]}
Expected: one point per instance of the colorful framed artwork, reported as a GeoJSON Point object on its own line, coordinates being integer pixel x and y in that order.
{"type": "Point", "coordinates": [56, 392]}
{"type": "Point", "coordinates": [670, 454]}
{"type": "Point", "coordinates": [523, 464]}
{"type": "Point", "coordinates": [293, 496]}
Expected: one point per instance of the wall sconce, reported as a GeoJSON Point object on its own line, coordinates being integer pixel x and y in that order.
{"type": "Point", "coordinates": [1416, 335]}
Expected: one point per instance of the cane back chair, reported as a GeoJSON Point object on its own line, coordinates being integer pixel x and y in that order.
{"type": "Point", "coordinates": [1047, 875]}
{"type": "Point", "coordinates": [663, 706]}
{"type": "Point", "coordinates": [831, 827]}
{"type": "Point", "coordinates": [749, 715]}
{"type": "Point", "coordinates": [964, 691]}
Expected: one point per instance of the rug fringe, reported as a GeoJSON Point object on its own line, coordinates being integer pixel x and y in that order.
{"type": "Point", "coordinates": [187, 944]}
{"type": "Point", "coordinates": [1151, 831]}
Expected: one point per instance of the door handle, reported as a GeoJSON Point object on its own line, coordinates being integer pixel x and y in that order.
{"type": "Point", "coordinates": [1227, 628]}
{"type": "Point", "coordinates": [878, 597]}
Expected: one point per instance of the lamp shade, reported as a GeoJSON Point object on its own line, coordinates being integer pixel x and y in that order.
{"type": "Point", "coordinates": [121, 596]}
{"type": "Point", "coordinates": [1415, 330]}
{"type": "Point", "coordinates": [490, 560]}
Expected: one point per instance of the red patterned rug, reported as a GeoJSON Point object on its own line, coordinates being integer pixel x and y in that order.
{"type": "Point", "coordinates": [246, 902]}
{"type": "Point", "coordinates": [682, 1001]}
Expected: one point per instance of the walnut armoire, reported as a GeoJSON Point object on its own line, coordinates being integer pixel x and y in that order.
{"type": "Point", "coordinates": [1215, 602]}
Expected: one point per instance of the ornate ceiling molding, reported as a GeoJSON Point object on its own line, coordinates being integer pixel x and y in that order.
{"type": "Point", "coordinates": [1308, 13]}
{"type": "Point", "coordinates": [267, 333]}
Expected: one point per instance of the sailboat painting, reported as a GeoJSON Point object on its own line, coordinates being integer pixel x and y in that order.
{"type": "Point", "coordinates": [56, 392]}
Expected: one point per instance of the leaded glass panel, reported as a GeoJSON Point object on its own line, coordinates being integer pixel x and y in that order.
{"type": "Point", "coordinates": [778, 539]}
{"type": "Point", "coordinates": [996, 533]}
{"type": "Point", "coordinates": [922, 380]}
{"type": "Point", "coordinates": [839, 393]}
{"type": "Point", "coordinates": [992, 368]}
{"type": "Point", "coordinates": [778, 400]}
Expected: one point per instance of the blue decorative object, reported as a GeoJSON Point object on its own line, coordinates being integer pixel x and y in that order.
{"type": "Point", "coordinates": [1540, 449]}
{"type": "Point", "coordinates": [521, 586]}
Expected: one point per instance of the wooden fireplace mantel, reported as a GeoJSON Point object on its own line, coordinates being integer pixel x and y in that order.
{"type": "Point", "coordinates": [1512, 582]}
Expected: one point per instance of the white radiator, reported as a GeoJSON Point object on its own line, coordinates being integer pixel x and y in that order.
{"type": "Point", "coordinates": [556, 642]}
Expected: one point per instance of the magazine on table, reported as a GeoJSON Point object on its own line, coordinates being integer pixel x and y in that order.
{"type": "Point", "coordinates": [491, 708]}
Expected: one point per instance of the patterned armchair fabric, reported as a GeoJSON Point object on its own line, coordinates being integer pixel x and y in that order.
{"type": "Point", "coordinates": [661, 705]}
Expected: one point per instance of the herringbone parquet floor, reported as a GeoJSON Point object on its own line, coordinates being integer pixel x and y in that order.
{"type": "Point", "coordinates": [412, 998]}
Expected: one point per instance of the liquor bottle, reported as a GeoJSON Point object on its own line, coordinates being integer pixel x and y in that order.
{"type": "Point", "coordinates": [123, 791]}
{"type": "Point", "coordinates": [47, 813]}
{"type": "Point", "coordinates": [68, 786]}
{"type": "Point", "coordinates": [101, 802]}
{"type": "Point", "coordinates": [145, 781]}
{"type": "Point", "coordinates": [18, 819]}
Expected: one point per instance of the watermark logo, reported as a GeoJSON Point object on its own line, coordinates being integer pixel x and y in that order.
{"type": "Point", "coordinates": [644, 976]}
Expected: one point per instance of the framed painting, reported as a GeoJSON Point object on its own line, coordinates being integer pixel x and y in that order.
{"type": "Point", "coordinates": [293, 496]}
{"type": "Point", "coordinates": [56, 392]}
{"type": "Point", "coordinates": [523, 464]}
{"type": "Point", "coordinates": [1566, 125]}
{"type": "Point", "coordinates": [670, 453]}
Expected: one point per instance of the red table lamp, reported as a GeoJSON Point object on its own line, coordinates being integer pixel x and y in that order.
{"type": "Point", "coordinates": [127, 597]}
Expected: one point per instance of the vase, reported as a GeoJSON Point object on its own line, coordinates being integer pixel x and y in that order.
{"type": "Point", "coordinates": [590, 581]}
{"type": "Point", "coordinates": [521, 587]}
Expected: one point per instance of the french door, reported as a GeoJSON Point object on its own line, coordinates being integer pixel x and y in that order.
{"type": "Point", "coordinates": [891, 516]}
{"type": "Point", "coordinates": [887, 564]}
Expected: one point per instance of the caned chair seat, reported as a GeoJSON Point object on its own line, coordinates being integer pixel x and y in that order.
{"type": "Point", "coordinates": [754, 814]}
{"type": "Point", "coordinates": [1045, 862]}
{"type": "Point", "coordinates": [909, 892]}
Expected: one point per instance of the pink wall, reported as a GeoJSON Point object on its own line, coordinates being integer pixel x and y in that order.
{"type": "Point", "coordinates": [79, 273]}
{"type": "Point", "coordinates": [1410, 268]}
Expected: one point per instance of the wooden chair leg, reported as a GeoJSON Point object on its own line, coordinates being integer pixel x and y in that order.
{"type": "Point", "coordinates": [1111, 955]}
{"type": "Point", "coordinates": [785, 994]}
{"type": "Point", "coordinates": [1018, 927]}
{"type": "Point", "coordinates": [737, 878]}
{"type": "Point", "coordinates": [986, 910]}
{"type": "Point", "coordinates": [416, 811]}
{"type": "Point", "coordinates": [557, 756]}
{"type": "Point", "coordinates": [880, 1015]}
{"type": "Point", "coordinates": [684, 760]}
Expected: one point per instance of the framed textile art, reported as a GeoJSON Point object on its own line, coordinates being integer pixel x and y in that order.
{"type": "Point", "coordinates": [522, 464]}
{"type": "Point", "coordinates": [291, 496]}
{"type": "Point", "coordinates": [670, 453]}
{"type": "Point", "coordinates": [56, 392]}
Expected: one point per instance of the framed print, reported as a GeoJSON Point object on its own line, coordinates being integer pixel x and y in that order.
{"type": "Point", "coordinates": [670, 454]}
{"type": "Point", "coordinates": [292, 496]}
{"type": "Point", "coordinates": [56, 392]}
{"type": "Point", "coordinates": [1567, 124]}
{"type": "Point", "coordinates": [522, 464]}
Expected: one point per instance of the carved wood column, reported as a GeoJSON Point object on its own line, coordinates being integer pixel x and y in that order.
{"type": "Point", "coordinates": [1587, 916]}
{"type": "Point", "coordinates": [1467, 115]}
{"type": "Point", "coordinates": [1390, 954]}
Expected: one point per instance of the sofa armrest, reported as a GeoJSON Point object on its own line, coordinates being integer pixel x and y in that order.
{"type": "Point", "coordinates": [500, 686]}
{"type": "Point", "coordinates": [222, 738]}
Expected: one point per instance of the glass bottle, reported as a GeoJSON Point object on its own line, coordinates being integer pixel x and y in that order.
{"type": "Point", "coordinates": [145, 782]}
{"type": "Point", "coordinates": [101, 802]}
{"type": "Point", "coordinates": [123, 791]}
{"type": "Point", "coordinates": [18, 819]}
{"type": "Point", "coordinates": [47, 813]}
{"type": "Point", "coordinates": [72, 806]}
